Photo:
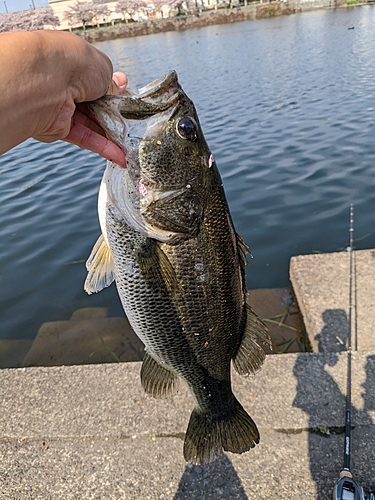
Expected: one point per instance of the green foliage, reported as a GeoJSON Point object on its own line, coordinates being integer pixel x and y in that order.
{"type": "Point", "coordinates": [113, 354]}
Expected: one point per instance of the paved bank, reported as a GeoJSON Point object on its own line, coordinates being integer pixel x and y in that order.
{"type": "Point", "coordinates": [90, 431]}
{"type": "Point", "coordinates": [321, 285]}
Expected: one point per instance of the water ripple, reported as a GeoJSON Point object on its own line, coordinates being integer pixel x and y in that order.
{"type": "Point", "coordinates": [287, 107]}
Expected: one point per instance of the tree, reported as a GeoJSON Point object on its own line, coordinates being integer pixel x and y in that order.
{"type": "Point", "coordinates": [27, 20]}
{"type": "Point", "coordinates": [177, 4]}
{"type": "Point", "coordinates": [182, 6]}
{"type": "Point", "coordinates": [158, 5]}
{"type": "Point", "coordinates": [81, 13]}
{"type": "Point", "coordinates": [129, 7]}
{"type": "Point", "coordinates": [36, 19]}
{"type": "Point", "coordinates": [6, 23]}
{"type": "Point", "coordinates": [101, 12]}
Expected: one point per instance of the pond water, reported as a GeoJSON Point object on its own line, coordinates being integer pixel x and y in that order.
{"type": "Point", "coordinates": [287, 106]}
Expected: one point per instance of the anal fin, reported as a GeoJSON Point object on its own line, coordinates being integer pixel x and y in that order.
{"type": "Point", "coordinates": [250, 356]}
{"type": "Point", "coordinates": [157, 380]}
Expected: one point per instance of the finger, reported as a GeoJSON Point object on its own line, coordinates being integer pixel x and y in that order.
{"type": "Point", "coordinates": [88, 139]}
{"type": "Point", "coordinates": [82, 116]}
{"type": "Point", "coordinates": [121, 80]}
{"type": "Point", "coordinates": [98, 71]}
{"type": "Point", "coordinates": [118, 84]}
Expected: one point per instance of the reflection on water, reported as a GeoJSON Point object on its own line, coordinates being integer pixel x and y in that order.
{"type": "Point", "coordinates": [287, 106]}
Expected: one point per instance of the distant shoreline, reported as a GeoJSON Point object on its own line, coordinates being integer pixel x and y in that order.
{"type": "Point", "coordinates": [207, 18]}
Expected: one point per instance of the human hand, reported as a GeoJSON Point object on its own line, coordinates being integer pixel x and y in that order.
{"type": "Point", "coordinates": [89, 76]}
{"type": "Point", "coordinates": [87, 134]}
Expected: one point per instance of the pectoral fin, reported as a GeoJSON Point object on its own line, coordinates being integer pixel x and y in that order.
{"type": "Point", "coordinates": [157, 380]}
{"type": "Point", "coordinates": [156, 267]}
{"type": "Point", "coordinates": [100, 267]}
{"type": "Point", "coordinates": [250, 356]}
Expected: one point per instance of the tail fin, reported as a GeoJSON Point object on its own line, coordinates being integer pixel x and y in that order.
{"type": "Point", "coordinates": [206, 437]}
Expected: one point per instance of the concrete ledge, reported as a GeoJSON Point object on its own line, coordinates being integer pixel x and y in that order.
{"type": "Point", "coordinates": [301, 466]}
{"type": "Point", "coordinates": [91, 432]}
{"type": "Point", "coordinates": [321, 285]}
{"type": "Point", "coordinates": [292, 392]}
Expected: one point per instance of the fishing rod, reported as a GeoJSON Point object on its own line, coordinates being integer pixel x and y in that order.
{"type": "Point", "coordinates": [346, 488]}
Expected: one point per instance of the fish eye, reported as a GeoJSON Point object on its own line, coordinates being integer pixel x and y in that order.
{"type": "Point", "coordinates": [187, 128]}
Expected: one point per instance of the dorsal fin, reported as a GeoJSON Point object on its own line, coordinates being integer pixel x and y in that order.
{"type": "Point", "coordinates": [242, 250]}
{"type": "Point", "coordinates": [100, 267]}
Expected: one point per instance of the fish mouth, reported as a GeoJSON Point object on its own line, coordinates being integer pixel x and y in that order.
{"type": "Point", "coordinates": [156, 97]}
{"type": "Point", "coordinates": [154, 103]}
{"type": "Point", "coordinates": [155, 88]}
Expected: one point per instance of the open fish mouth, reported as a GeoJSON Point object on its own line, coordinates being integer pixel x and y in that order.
{"type": "Point", "coordinates": [154, 103]}
{"type": "Point", "coordinates": [154, 98]}
{"type": "Point", "coordinates": [156, 88]}
{"type": "Point", "coordinates": [144, 123]}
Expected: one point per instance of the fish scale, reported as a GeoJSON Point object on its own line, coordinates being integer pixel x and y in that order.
{"type": "Point", "coordinates": [209, 322]}
{"type": "Point", "coordinates": [170, 245]}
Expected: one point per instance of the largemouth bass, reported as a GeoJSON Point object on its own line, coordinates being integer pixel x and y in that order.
{"type": "Point", "coordinates": [169, 243]}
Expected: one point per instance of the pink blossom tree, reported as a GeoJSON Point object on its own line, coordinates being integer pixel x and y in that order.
{"type": "Point", "coordinates": [84, 13]}
{"type": "Point", "coordinates": [158, 5]}
{"type": "Point", "coordinates": [129, 7]}
{"type": "Point", "coordinates": [100, 12]}
{"type": "Point", "coordinates": [27, 20]}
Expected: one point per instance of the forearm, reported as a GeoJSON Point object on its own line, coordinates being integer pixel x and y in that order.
{"type": "Point", "coordinates": [38, 82]}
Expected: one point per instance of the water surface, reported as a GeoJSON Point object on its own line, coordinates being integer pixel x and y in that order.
{"type": "Point", "coordinates": [288, 108]}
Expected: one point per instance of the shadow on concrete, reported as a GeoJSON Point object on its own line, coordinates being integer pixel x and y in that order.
{"type": "Point", "coordinates": [334, 334]}
{"type": "Point", "coordinates": [321, 398]}
{"type": "Point", "coordinates": [369, 385]}
{"type": "Point", "coordinates": [217, 480]}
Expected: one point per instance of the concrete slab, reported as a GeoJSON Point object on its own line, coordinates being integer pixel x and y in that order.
{"type": "Point", "coordinates": [301, 466]}
{"type": "Point", "coordinates": [88, 337]}
{"type": "Point", "coordinates": [292, 392]}
{"type": "Point", "coordinates": [279, 310]}
{"type": "Point", "coordinates": [321, 286]}
{"type": "Point", "coordinates": [90, 431]}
